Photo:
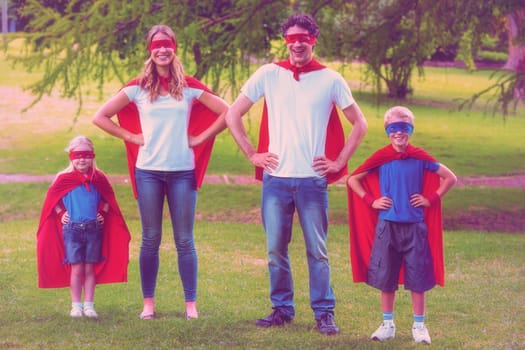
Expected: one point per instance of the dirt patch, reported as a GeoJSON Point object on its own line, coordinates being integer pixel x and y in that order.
{"type": "Point", "coordinates": [477, 220]}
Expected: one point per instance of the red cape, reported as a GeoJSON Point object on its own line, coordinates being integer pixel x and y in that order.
{"type": "Point", "coordinates": [362, 218]}
{"type": "Point", "coordinates": [335, 137]}
{"type": "Point", "coordinates": [52, 272]}
{"type": "Point", "coordinates": [200, 119]}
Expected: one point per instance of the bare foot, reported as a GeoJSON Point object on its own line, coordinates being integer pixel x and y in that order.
{"type": "Point", "coordinates": [148, 310]}
{"type": "Point", "coordinates": [191, 310]}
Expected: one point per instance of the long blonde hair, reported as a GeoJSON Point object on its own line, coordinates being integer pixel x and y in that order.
{"type": "Point", "coordinates": [73, 145]}
{"type": "Point", "coordinates": [149, 79]}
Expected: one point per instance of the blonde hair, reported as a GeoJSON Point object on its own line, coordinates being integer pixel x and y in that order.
{"type": "Point", "coordinates": [149, 78]}
{"type": "Point", "coordinates": [399, 112]}
{"type": "Point", "coordinates": [74, 144]}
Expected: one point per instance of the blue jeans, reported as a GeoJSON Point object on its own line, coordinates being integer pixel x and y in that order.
{"type": "Point", "coordinates": [180, 189]}
{"type": "Point", "coordinates": [280, 198]}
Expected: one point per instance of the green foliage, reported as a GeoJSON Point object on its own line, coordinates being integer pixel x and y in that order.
{"type": "Point", "coordinates": [80, 42]}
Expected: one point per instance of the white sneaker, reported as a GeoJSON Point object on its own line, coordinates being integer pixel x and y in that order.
{"type": "Point", "coordinates": [420, 333]}
{"type": "Point", "coordinates": [90, 312]}
{"type": "Point", "coordinates": [386, 331]}
{"type": "Point", "coordinates": [75, 312]}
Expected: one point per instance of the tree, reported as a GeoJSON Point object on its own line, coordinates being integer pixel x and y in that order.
{"type": "Point", "coordinates": [79, 41]}
{"type": "Point", "coordinates": [99, 40]}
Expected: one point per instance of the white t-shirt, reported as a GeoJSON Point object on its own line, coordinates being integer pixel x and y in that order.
{"type": "Point", "coordinates": [298, 113]}
{"type": "Point", "coordinates": [165, 128]}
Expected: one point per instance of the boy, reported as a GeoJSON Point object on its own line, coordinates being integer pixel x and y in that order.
{"type": "Point", "coordinates": [398, 190]}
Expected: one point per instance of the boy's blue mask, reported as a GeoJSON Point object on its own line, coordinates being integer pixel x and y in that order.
{"type": "Point", "coordinates": [403, 127]}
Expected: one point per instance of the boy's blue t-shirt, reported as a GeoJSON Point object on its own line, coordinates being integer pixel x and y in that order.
{"type": "Point", "coordinates": [398, 180]}
{"type": "Point", "coordinates": [81, 204]}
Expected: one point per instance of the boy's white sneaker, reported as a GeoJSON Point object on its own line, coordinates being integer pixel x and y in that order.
{"type": "Point", "coordinates": [420, 333]}
{"type": "Point", "coordinates": [90, 312]}
{"type": "Point", "coordinates": [386, 331]}
{"type": "Point", "coordinates": [75, 312]}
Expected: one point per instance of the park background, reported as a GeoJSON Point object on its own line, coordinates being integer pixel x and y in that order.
{"type": "Point", "coordinates": [480, 307]}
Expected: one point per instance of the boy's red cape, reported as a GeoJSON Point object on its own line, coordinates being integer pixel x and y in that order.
{"type": "Point", "coordinates": [335, 137]}
{"type": "Point", "coordinates": [362, 218]}
{"type": "Point", "coordinates": [200, 119]}
{"type": "Point", "coordinates": [52, 272]}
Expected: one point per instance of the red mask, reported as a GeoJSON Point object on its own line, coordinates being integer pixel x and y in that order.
{"type": "Point", "coordinates": [81, 154]}
{"type": "Point", "coordinates": [164, 43]}
{"type": "Point", "coordinates": [302, 38]}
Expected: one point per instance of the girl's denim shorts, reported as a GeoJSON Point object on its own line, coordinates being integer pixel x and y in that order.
{"type": "Point", "coordinates": [82, 242]}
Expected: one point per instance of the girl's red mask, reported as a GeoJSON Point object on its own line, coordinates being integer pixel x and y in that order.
{"type": "Point", "coordinates": [81, 154]}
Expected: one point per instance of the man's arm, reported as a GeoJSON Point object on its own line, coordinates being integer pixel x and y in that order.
{"type": "Point", "coordinates": [354, 115]}
{"type": "Point", "coordinates": [242, 104]}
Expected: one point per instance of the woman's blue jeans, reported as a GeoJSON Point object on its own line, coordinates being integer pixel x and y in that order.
{"type": "Point", "coordinates": [180, 190]}
{"type": "Point", "coordinates": [280, 198]}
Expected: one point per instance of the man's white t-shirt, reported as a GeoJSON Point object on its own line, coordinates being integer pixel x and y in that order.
{"type": "Point", "coordinates": [164, 125]}
{"type": "Point", "coordinates": [298, 113]}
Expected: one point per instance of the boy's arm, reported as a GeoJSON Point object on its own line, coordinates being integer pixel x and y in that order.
{"type": "Point", "coordinates": [381, 203]}
{"type": "Point", "coordinates": [354, 181]}
{"type": "Point", "coordinates": [448, 180]}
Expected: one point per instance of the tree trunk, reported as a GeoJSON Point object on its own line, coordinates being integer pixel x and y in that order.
{"type": "Point", "coordinates": [516, 49]}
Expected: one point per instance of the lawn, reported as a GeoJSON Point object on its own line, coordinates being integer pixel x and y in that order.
{"type": "Point", "coordinates": [481, 306]}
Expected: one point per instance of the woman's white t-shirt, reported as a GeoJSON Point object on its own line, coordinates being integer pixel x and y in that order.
{"type": "Point", "coordinates": [164, 125]}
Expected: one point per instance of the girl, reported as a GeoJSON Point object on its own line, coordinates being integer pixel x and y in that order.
{"type": "Point", "coordinates": [74, 238]}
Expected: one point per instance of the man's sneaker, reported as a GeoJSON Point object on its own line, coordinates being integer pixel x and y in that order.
{"type": "Point", "coordinates": [386, 331]}
{"type": "Point", "coordinates": [420, 333]}
{"type": "Point", "coordinates": [326, 324]}
{"type": "Point", "coordinates": [75, 312]}
{"type": "Point", "coordinates": [276, 318]}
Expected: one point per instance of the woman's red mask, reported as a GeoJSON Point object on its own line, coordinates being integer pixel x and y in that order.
{"type": "Point", "coordinates": [163, 43]}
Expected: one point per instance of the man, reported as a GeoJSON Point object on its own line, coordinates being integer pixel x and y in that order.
{"type": "Point", "coordinates": [301, 149]}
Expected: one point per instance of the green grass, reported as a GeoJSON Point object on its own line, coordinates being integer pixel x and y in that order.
{"type": "Point", "coordinates": [481, 306]}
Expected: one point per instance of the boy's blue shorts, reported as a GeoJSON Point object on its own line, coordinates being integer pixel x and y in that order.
{"type": "Point", "coordinates": [396, 243]}
{"type": "Point", "coordinates": [82, 242]}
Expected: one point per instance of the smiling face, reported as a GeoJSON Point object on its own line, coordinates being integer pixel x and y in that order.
{"type": "Point", "coordinates": [162, 49]}
{"type": "Point", "coordinates": [83, 158]}
{"type": "Point", "coordinates": [399, 125]}
{"type": "Point", "coordinates": [301, 51]}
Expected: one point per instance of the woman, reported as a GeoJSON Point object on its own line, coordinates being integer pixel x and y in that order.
{"type": "Point", "coordinates": [167, 144]}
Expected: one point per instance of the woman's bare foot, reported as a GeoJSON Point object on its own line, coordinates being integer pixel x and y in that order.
{"type": "Point", "coordinates": [148, 310]}
{"type": "Point", "coordinates": [191, 310]}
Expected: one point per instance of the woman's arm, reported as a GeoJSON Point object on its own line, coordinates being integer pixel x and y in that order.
{"type": "Point", "coordinates": [103, 120]}
{"type": "Point", "coordinates": [217, 105]}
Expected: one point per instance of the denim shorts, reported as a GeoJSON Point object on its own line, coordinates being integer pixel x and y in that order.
{"type": "Point", "coordinates": [82, 242]}
{"type": "Point", "coordinates": [397, 244]}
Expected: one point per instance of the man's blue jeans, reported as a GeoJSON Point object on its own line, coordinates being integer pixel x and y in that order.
{"type": "Point", "coordinates": [280, 198]}
{"type": "Point", "coordinates": [180, 189]}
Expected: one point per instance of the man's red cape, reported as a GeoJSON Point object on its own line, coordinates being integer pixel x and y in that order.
{"type": "Point", "coordinates": [335, 137]}
{"type": "Point", "coordinates": [362, 218]}
{"type": "Point", "coordinates": [200, 119]}
{"type": "Point", "coordinates": [52, 272]}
